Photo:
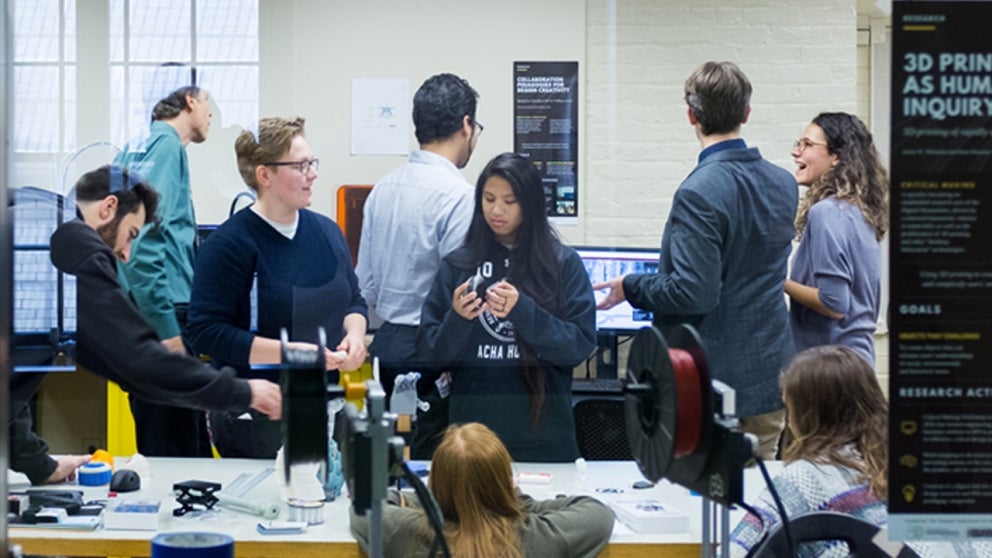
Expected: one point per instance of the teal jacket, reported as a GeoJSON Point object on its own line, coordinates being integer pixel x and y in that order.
{"type": "Point", "coordinates": [160, 272]}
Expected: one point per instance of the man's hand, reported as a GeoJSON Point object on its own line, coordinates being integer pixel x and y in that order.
{"type": "Point", "coordinates": [175, 344]}
{"type": "Point", "coordinates": [612, 298]}
{"type": "Point", "coordinates": [266, 397]}
{"type": "Point", "coordinates": [66, 469]}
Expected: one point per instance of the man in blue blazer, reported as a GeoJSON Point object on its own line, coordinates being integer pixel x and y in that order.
{"type": "Point", "coordinates": [724, 254]}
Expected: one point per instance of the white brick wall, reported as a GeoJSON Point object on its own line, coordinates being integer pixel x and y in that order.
{"type": "Point", "coordinates": [801, 58]}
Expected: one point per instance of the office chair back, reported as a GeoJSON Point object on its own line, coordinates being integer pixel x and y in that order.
{"type": "Point", "coordinates": [827, 526]}
{"type": "Point", "coordinates": [601, 431]}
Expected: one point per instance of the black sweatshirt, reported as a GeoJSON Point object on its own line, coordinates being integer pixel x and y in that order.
{"type": "Point", "coordinates": [114, 341]}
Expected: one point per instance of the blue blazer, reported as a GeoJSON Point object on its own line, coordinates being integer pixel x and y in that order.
{"type": "Point", "coordinates": [724, 259]}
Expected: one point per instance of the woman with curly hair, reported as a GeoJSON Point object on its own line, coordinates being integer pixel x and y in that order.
{"type": "Point", "coordinates": [835, 283]}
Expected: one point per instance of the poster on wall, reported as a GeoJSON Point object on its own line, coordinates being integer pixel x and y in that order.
{"type": "Point", "coordinates": [380, 117]}
{"type": "Point", "coordinates": [940, 383]}
{"type": "Point", "coordinates": [546, 129]}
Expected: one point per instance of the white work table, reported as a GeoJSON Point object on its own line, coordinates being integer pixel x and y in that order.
{"type": "Point", "coordinates": [333, 538]}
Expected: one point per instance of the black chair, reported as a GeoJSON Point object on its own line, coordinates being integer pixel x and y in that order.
{"type": "Point", "coordinates": [601, 430]}
{"type": "Point", "coordinates": [826, 526]}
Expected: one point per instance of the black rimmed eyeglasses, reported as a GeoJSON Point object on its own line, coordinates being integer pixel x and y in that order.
{"type": "Point", "coordinates": [302, 166]}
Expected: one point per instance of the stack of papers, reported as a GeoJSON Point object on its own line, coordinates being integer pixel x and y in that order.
{"type": "Point", "coordinates": [647, 515]}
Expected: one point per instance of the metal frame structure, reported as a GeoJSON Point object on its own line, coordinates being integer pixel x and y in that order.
{"type": "Point", "coordinates": [6, 250]}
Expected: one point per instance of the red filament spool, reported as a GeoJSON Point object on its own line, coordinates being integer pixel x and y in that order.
{"type": "Point", "coordinates": [689, 420]}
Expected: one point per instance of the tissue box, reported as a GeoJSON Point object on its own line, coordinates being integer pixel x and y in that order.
{"type": "Point", "coordinates": [650, 516]}
{"type": "Point", "coordinates": [139, 515]}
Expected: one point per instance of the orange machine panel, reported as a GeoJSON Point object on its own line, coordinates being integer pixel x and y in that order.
{"type": "Point", "coordinates": [351, 201]}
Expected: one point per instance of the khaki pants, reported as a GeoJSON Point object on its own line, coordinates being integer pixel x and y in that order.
{"type": "Point", "coordinates": [768, 428]}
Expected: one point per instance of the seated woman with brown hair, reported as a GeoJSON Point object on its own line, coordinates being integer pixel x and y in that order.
{"type": "Point", "coordinates": [837, 457]}
{"type": "Point", "coordinates": [485, 516]}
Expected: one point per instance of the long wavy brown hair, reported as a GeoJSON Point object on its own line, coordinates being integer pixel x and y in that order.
{"type": "Point", "coordinates": [472, 481]}
{"type": "Point", "coordinates": [858, 177]}
{"type": "Point", "coordinates": [833, 402]}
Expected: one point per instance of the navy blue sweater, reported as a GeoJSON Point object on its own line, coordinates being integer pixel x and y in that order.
{"type": "Point", "coordinates": [303, 283]}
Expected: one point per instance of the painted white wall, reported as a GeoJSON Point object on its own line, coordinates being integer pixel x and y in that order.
{"type": "Point", "coordinates": [312, 49]}
{"type": "Point", "coordinates": [635, 142]}
{"type": "Point", "coordinates": [799, 56]}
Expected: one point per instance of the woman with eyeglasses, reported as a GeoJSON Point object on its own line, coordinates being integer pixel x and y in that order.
{"type": "Point", "coordinates": [835, 282]}
{"type": "Point", "coordinates": [296, 265]}
{"type": "Point", "coordinates": [510, 314]}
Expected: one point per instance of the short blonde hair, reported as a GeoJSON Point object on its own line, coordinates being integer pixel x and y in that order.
{"type": "Point", "coordinates": [273, 140]}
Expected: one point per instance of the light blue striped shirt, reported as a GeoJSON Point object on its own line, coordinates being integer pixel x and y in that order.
{"type": "Point", "coordinates": [415, 216]}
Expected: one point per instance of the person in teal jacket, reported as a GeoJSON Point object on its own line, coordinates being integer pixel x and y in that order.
{"type": "Point", "coordinates": [159, 275]}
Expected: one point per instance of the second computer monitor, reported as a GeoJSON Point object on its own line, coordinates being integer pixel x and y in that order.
{"type": "Point", "coordinates": [603, 263]}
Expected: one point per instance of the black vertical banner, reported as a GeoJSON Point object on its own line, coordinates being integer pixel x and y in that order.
{"type": "Point", "coordinates": [940, 383]}
{"type": "Point", "coordinates": [546, 128]}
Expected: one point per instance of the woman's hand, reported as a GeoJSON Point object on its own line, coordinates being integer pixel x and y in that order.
{"type": "Point", "coordinates": [332, 361]}
{"type": "Point", "coordinates": [501, 298]}
{"type": "Point", "coordinates": [354, 348]}
{"type": "Point", "coordinates": [466, 303]}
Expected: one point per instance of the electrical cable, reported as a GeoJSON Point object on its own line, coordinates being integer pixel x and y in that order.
{"type": "Point", "coordinates": [778, 504]}
{"type": "Point", "coordinates": [234, 202]}
{"type": "Point", "coordinates": [431, 509]}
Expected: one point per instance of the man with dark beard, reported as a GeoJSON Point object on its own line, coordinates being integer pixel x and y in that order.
{"type": "Point", "coordinates": [113, 339]}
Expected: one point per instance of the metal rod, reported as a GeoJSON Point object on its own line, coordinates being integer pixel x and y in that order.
{"type": "Point", "coordinates": [707, 534]}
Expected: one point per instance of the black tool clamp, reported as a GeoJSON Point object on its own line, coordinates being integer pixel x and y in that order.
{"type": "Point", "coordinates": [194, 493]}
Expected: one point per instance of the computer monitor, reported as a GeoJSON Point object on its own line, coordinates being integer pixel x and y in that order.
{"type": "Point", "coordinates": [603, 263]}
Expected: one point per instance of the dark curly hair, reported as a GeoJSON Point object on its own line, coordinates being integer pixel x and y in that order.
{"type": "Point", "coordinates": [440, 105]}
{"type": "Point", "coordinates": [858, 177]}
{"type": "Point", "coordinates": [130, 189]}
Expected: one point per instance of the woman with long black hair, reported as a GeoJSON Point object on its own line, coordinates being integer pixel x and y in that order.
{"type": "Point", "coordinates": [510, 315]}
